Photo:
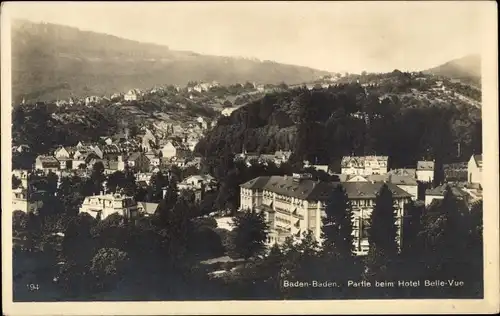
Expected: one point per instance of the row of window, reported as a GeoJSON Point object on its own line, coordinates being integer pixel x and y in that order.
{"type": "Point", "coordinates": [282, 220]}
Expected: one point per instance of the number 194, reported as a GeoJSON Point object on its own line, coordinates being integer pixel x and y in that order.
{"type": "Point", "coordinates": [33, 287]}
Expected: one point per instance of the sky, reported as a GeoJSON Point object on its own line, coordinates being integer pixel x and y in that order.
{"type": "Point", "coordinates": [332, 36]}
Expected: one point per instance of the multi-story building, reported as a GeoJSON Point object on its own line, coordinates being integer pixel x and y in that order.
{"type": "Point", "coordinates": [364, 165]}
{"type": "Point", "coordinates": [28, 203]}
{"type": "Point", "coordinates": [295, 204]}
{"type": "Point", "coordinates": [103, 205]}
{"type": "Point", "coordinates": [425, 171]}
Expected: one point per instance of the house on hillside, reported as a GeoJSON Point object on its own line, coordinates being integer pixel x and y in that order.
{"type": "Point", "coordinates": [46, 163]}
{"type": "Point", "coordinates": [111, 166]}
{"type": "Point", "coordinates": [148, 141]}
{"type": "Point", "coordinates": [138, 161]}
{"type": "Point", "coordinates": [83, 158]}
{"type": "Point", "coordinates": [26, 202]}
{"type": "Point", "coordinates": [475, 169]}
{"type": "Point", "coordinates": [282, 156]}
{"type": "Point", "coordinates": [103, 205]}
{"type": "Point", "coordinates": [202, 123]}
{"type": "Point", "coordinates": [364, 165]}
{"type": "Point", "coordinates": [146, 208]}
{"type": "Point", "coordinates": [21, 148]}
{"type": "Point", "coordinates": [154, 159]}
{"type": "Point", "coordinates": [132, 95]}
{"type": "Point", "coordinates": [173, 148]}
{"type": "Point", "coordinates": [92, 100]}
{"type": "Point", "coordinates": [425, 171]}
{"type": "Point", "coordinates": [64, 152]}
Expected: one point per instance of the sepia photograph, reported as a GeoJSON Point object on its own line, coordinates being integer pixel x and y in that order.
{"type": "Point", "coordinates": [259, 152]}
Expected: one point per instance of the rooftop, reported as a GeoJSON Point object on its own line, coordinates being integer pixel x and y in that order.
{"type": "Point", "coordinates": [425, 165]}
{"type": "Point", "coordinates": [308, 189]}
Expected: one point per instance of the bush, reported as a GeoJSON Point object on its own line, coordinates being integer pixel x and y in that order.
{"type": "Point", "coordinates": [108, 266]}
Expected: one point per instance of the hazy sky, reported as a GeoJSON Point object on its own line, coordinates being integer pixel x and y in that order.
{"type": "Point", "coordinates": [334, 36]}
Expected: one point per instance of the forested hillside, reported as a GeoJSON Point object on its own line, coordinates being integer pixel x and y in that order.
{"type": "Point", "coordinates": [322, 125]}
{"type": "Point", "coordinates": [467, 69]}
{"type": "Point", "coordinates": [55, 62]}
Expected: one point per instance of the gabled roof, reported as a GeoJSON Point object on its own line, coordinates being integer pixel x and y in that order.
{"type": "Point", "coordinates": [479, 160]}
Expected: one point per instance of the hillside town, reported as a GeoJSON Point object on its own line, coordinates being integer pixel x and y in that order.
{"type": "Point", "coordinates": [136, 179]}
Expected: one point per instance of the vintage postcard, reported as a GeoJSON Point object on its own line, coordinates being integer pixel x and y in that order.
{"type": "Point", "coordinates": [249, 158]}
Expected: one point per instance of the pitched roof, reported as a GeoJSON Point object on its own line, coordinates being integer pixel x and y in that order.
{"type": "Point", "coordinates": [359, 161]}
{"type": "Point", "coordinates": [148, 208]}
{"type": "Point", "coordinates": [404, 172]}
{"type": "Point", "coordinates": [363, 190]}
{"type": "Point", "coordinates": [439, 191]}
{"type": "Point", "coordinates": [425, 165]}
{"type": "Point", "coordinates": [308, 189]}
{"type": "Point", "coordinates": [394, 179]}
{"type": "Point", "coordinates": [479, 160]}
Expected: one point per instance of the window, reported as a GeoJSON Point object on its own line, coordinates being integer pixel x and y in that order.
{"type": "Point", "coordinates": [365, 225]}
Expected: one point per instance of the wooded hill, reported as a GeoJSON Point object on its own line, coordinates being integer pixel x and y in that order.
{"type": "Point", "coordinates": [53, 61]}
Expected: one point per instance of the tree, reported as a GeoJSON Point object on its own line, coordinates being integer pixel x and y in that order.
{"type": "Point", "coordinates": [337, 225]}
{"type": "Point", "coordinates": [71, 193]}
{"type": "Point", "coordinates": [227, 104]}
{"type": "Point", "coordinates": [175, 228]}
{"type": "Point", "coordinates": [250, 233]}
{"type": "Point", "coordinates": [19, 222]}
{"type": "Point", "coordinates": [129, 183]}
{"type": "Point", "coordinates": [97, 177]}
{"type": "Point", "coordinates": [411, 228]}
{"type": "Point", "coordinates": [16, 182]}
{"type": "Point", "coordinates": [157, 183]}
{"type": "Point", "coordinates": [115, 180]}
{"type": "Point", "coordinates": [445, 237]}
{"type": "Point", "coordinates": [52, 183]}
{"type": "Point", "coordinates": [382, 234]}
{"type": "Point", "coordinates": [107, 266]}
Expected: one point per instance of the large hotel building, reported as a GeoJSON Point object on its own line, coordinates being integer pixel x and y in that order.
{"type": "Point", "coordinates": [295, 204]}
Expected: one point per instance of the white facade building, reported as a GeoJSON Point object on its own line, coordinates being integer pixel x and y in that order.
{"type": "Point", "coordinates": [103, 205]}
{"type": "Point", "coordinates": [475, 169]}
{"type": "Point", "coordinates": [295, 204]}
{"type": "Point", "coordinates": [364, 165]}
{"type": "Point", "coordinates": [425, 171]}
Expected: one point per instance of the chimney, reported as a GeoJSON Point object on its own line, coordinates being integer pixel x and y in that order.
{"type": "Point", "coordinates": [120, 158]}
{"type": "Point", "coordinates": [286, 177]}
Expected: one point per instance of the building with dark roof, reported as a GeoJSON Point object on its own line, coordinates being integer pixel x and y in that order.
{"type": "Point", "coordinates": [455, 172]}
{"type": "Point", "coordinates": [295, 204]}
{"type": "Point", "coordinates": [437, 193]}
